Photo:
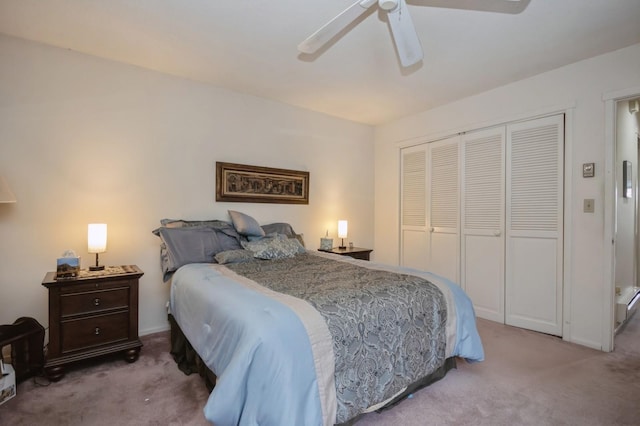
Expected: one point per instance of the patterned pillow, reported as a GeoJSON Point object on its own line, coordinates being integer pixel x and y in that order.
{"type": "Point", "coordinates": [276, 247]}
{"type": "Point", "coordinates": [234, 256]}
{"type": "Point", "coordinates": [283, 228]}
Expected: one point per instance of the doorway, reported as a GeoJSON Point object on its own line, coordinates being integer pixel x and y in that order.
{"type": "Point", "coordinates": [626, 246]}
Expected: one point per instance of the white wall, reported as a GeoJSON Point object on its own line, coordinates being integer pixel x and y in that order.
{"type": "Point", "coordinates": [579, 87]}
{"type": "Point", "coordinates": [626, 149]}
{"type": "Point", "coordinates": [88, 140]}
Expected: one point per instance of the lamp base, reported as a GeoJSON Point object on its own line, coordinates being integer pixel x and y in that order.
{"type": "Point", "coordinates": [342, 246]}
{"type": "Point", "coordinates": [97, 266]}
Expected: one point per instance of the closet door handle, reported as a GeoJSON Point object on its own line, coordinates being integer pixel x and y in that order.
{"type": "Point", "coordinates": [497, 233]}
{"type": "Point", "coordinates": [431, 229]}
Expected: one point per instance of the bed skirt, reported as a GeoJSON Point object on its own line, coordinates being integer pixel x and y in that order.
{"type": "Point", "coordinates": [186, 357]}
{"type": "Point", "coordinates": [190, 362]}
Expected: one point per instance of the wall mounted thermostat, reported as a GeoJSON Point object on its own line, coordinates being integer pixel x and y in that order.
{"type": "Point", "coordinates": [588, 170]}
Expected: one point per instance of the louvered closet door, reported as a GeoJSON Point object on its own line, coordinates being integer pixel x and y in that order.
{"type": "Point", "coordinates": [482, 209]}
{"type": "Point", "coordinates": [414, 236]}
{"type": "Point", "coordinates": [534, 224]}
{"type": "Point", "coordinates": [443, 204]}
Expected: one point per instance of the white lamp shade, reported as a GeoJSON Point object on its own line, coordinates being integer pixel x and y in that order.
{"type": "Point", "coordinates": [97, 237]}
{"type": "Point", "coordinates": [6, 196]}
{"type": "Point", "coordinates": [342, 229]}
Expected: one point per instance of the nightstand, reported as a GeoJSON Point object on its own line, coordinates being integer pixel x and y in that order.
{"type": "Point", "coordinates": [92, 315]}
{"type": "Point", "coordinates": [355, 252]}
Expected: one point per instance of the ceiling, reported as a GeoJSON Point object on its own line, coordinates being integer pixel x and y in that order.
{"type": "Point", "coordinates": [250, 46]}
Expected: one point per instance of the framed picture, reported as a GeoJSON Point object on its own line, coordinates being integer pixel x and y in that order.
{"type": "Point", "coordinates": [254, 184]}
{"type": "Point", "coordinates": [627, 179]}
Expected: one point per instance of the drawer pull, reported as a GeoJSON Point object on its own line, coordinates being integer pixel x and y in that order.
{"type": "Point", "coordinates": [96, 301]}
{"type": "Point", "coordinates": [97, 332]}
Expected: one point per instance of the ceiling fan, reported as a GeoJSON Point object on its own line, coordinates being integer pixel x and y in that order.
{"type": "Point", "coordinates": [402, 28]}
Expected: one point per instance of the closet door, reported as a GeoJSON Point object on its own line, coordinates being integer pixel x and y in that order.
{"type": "Point", "coordinates": [483, 222]}
{"type": "Point", "coordinates": [534, 224]}
{"type": "Point", "coordinates": [413, 230]}
{"type": "Point", "coordinates": [444, 208]}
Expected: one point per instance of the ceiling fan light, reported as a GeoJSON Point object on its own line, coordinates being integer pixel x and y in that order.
{"type": "Point", "coordinates": [388, 4]}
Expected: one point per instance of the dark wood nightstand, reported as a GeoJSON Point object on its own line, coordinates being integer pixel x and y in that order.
{"type": "Point", "coordinates": [92, 315]}
{"type": "Point", "coordinates": [355, 252]}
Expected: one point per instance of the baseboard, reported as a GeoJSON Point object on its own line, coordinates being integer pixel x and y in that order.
{"type": "Point", "coordinates": [154, 330]}
{"type": "Point", "coordinates": [626, 305]}
{"type": "Point", "coordinates": [583, 342]}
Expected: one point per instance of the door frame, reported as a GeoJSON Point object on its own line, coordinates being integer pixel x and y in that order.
{"type": "Point", "coordinates": [610, 211]}
{"type": "Point", "coordinates": [636, 205]}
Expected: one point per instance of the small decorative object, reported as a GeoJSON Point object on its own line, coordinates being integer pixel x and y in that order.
{"type": "Point", "coordinates": [627, 179]}
{"type": "Point", "coordinates": [326, 243]}
{"type": "Point", "coordinates": [342, 232]}
{"type": "Point", "coordinates": [351, 245]}
{"type": "Point", "coordinates": [254, 184]}
{"type": "Point", "coordinates": [97, 242]}
{"type": "Point", "coordinates": [68, 266]}
{"type": "Point", "coordinates": [588, 170]}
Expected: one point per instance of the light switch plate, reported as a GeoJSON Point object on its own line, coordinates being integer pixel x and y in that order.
{"type": "Point", "coordinates": [589, 205]}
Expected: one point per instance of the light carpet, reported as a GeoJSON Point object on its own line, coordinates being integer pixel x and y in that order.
{"type": "Point", "coordinates": [527, 379]}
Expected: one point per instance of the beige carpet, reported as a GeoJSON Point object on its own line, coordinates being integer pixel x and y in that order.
{"type": "Point", "coordinates": [526, 379]}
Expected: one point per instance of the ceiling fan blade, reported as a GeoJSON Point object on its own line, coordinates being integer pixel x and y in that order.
{"type": "Point", "coordinates": [318, 39]}
{"type": "Point", "coordinates": [404, 35]}
{"type": "Point", "coordinates": [512, 7]}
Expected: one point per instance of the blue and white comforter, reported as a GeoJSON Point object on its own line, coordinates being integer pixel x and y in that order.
{"type": "Point", "coordinates": [281, 349]}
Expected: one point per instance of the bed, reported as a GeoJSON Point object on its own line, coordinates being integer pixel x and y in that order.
{"type": "Point", "coordinates": [296, 336]}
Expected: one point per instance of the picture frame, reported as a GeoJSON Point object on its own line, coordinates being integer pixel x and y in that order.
{"type": "Point", "coordinates": [255, 184]}
{"type": "Point", "coordinates": [627, 179]}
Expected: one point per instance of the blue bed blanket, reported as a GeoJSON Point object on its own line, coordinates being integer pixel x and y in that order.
{"type": "Point", "coordinates": [273, 353]}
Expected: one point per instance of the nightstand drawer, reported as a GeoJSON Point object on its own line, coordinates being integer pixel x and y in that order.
{"type": "Point", "coordinates": [361, 255]}
{"type": "Point", "coordinates": [72, 286]}
{"type": "Point", "coordinates": [94, 301]}
{"type": "Point", "coordinates": [354, 252]}
{"type": "Point", "coordinates": [93, 331]}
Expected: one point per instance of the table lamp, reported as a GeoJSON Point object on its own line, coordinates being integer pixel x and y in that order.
{"type": "Point", "coordinates": [97, 242]}
{"type": "Point", "coordinates": [342, 233]}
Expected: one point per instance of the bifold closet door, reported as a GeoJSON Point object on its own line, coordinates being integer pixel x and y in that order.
{"type": "Point", "coordinates": [443, 206]}
{"type": "Point", "coordinates": [483, 221]}
{"type": "Point", "coordinates": [413, 233]}
{"type": "Point", "coordinates": [534, 224]}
